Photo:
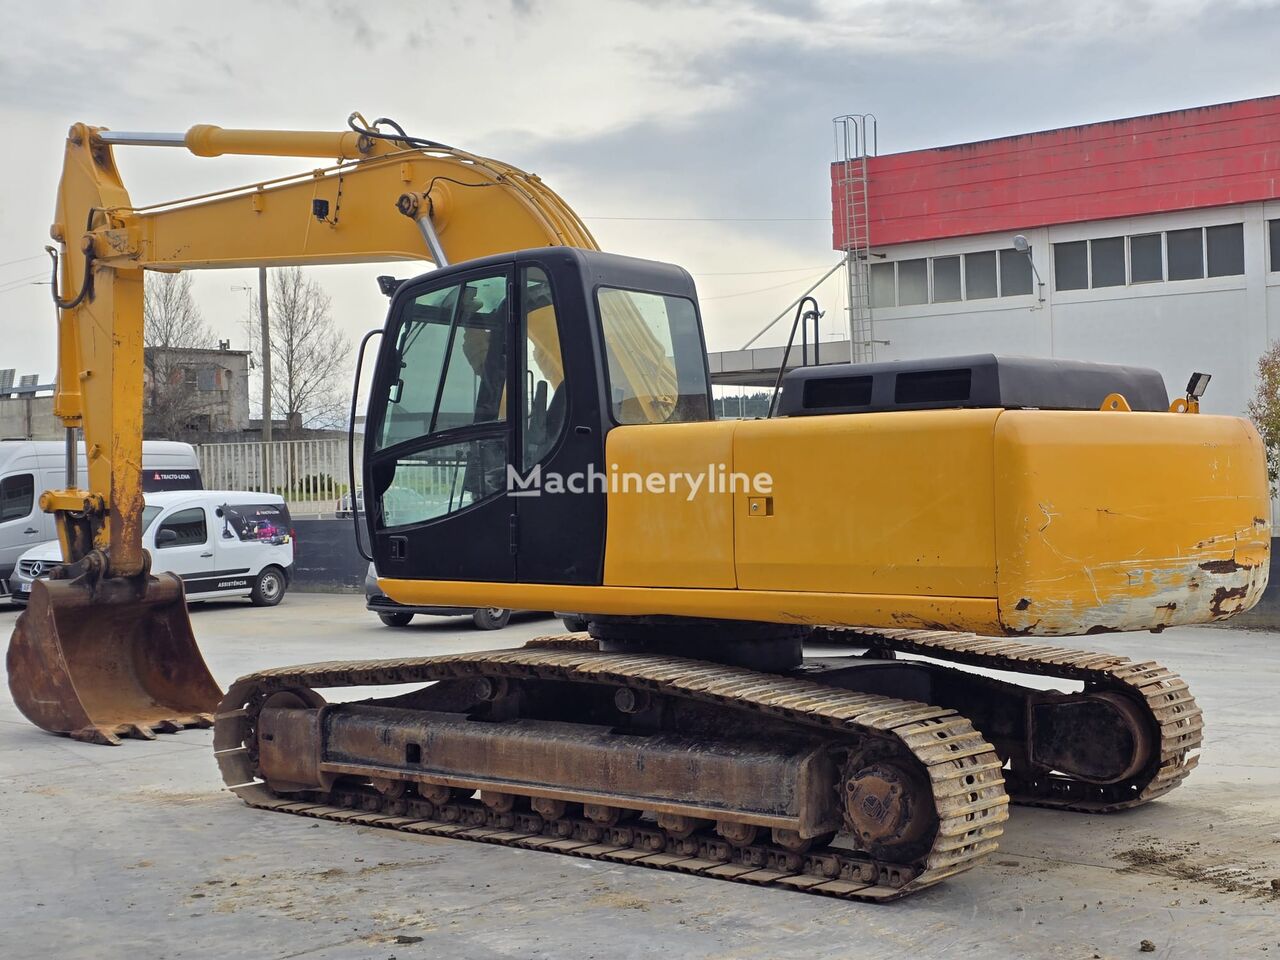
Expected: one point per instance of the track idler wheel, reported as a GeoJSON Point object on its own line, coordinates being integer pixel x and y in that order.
{"type": "Point", "coordinates": [887, 806]}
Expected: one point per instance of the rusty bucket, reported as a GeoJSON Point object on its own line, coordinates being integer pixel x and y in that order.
{"type": "Point", "coordinates": [101, 659]}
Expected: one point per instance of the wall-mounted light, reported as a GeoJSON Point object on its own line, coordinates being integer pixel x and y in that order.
{"type": "Point", "coordinates": [1022, 245]}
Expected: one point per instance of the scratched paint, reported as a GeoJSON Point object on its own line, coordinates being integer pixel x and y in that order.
{"type": "Point", "coordinates": [1158, 522]}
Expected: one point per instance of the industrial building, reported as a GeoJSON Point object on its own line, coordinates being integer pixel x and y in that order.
{"type": "Point", "coordinates": [1153, 240]}
{"type": "Point", "coordinates": [1156, 241]}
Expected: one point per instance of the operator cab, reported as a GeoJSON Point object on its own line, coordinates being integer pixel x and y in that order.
{"type": "Point", "coordinates": [498, 378]}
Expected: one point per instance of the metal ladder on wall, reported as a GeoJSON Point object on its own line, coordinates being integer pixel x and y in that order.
{"type": "Point", "coordinates": [855, 136]}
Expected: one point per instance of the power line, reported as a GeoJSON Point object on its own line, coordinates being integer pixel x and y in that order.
{"type": "Point", "coordinates": [755, 273]}
{"type": "Point", "coordinates": [19, 282]}
{"type": "Point", "coordinates": [9, 263]}
{"type": "Point", "coordinates": [718, 219]}
{"type": "Point", "coordinates": [747, 293]}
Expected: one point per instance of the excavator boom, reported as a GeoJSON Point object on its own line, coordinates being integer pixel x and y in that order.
{"type": "Point", "coordinates": [134, 666]}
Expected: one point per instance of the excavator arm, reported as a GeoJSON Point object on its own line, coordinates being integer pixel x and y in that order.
{"type": "Point", "coordinates": [134, 666]}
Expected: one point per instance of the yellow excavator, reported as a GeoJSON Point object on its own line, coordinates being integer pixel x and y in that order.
{"type": "Point", "coordinates": [541, 434]}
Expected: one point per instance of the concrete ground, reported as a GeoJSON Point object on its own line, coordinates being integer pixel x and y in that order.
{"type": "Point", "coordinates": [136, 851]}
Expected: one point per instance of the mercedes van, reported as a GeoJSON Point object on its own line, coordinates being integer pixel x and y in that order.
{"type": "Point", "coordinates": [29, 467]}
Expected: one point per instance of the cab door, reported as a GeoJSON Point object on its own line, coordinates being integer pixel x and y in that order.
{"type": "Point", "coordinates": [440, 431]}
{"type": "Point", "coordinates": [559, 498]}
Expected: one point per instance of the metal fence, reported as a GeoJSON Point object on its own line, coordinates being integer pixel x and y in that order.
{"type": "Point", "coordinates": [310, 474]}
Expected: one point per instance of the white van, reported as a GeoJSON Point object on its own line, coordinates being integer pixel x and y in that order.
{"type": "Point", "coordinates": [29, 467]}
{"type": "Point", "coordinates": [222, 543]}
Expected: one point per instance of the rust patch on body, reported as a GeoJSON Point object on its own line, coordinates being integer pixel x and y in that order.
{"type": "Point", "coordinates": [1224, 594]}
{"type": "Point", "coordinates": [1229, 565]}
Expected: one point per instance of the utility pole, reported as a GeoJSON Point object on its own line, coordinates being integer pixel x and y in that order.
{"type": "Point", "coordinates": [266, 372]}
{"type": "Point", "coordinates": [266, 377]}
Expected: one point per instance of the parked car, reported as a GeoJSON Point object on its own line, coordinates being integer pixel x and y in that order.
{"type": "Point", "coordinates": [400, 615]}
{"type": "Point", "coordinates": [573, 622]}
{"type": "Point", "coordinates": [222, 543]}
{"type": "Point", "coordinates": [28, 467]}
{"type": "Point", "coordinates": [343, 509]}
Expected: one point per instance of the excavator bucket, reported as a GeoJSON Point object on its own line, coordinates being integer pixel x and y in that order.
{"type": "Point", "coordinates": [111, 659]}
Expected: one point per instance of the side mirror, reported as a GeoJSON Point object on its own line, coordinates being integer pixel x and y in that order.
{"type": "Point", "coordinates": [166, 537]}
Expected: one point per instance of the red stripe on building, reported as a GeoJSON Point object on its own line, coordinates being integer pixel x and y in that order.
{"type": "Point", "coordinates": [1185, 159]}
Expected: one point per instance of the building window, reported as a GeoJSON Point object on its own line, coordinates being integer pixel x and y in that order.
{"type": "Point", "coordinates": [882, 285]}
{"type": "Point", "coordinates": [980, 275]}
{"type": "Point", "coordinates": [946, 279]}
{"type": "Point", "coordinates": [913, 282]}
{"type": "Point", "coordinates": [1146, 258]}
{"type": "Point", "coordinates": [1225, 247]}
{"type": "Point", "coordinates": [1015, 273]}
{"type": "Point", "coordinates": [1273, 228]}
{"type": "Point", "coordinates": [1106, 258]}
{"type": "Point", "coordinates": [1186, 254]}
{"type": "Point", "coordinates": [1071, 265]}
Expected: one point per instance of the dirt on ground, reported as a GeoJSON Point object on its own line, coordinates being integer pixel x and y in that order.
{"type": "Point", "coordinates": [1183, 862]}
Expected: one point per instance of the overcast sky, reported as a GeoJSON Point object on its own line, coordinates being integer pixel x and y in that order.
{"type": "Point", "coordinates": [698, 133]}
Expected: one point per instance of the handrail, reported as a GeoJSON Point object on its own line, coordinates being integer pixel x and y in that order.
{"type": "Point", "coordinates": [351, 445]}
{"type": "Point", "coordinates": [801, 316]}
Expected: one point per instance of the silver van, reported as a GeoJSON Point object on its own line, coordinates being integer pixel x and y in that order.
{"type": "Point", "coordinates": [29, 467]}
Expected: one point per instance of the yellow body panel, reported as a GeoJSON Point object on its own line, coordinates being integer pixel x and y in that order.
{"type": "Point", "coordinates": [882, 503]}
{"type": "Point", "coordinates": [682, 538]}
{"type": "Point", "coordinates": [999, 522]}
{"type": "Point", "coordinates": [1127, 521]}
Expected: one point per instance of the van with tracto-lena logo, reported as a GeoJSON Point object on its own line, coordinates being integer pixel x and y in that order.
{"type": "Point", "coordinates": [29, 467]}
{"type": "Point", "coordinates": [222, 543]}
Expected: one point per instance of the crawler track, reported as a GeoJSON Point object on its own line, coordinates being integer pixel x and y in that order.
{"type": "Point", "coordinates": [1168, 702]}
{"type": "Point", "coordinates": [962, 769]}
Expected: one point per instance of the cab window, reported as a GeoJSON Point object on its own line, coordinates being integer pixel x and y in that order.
{"type": "Point", "coordinates": [544, 399]}
{"type": "Point", "coordinates": [444, 479]}
{"type": "Point", "coordinates": [655, 357]}
{"type": "Point", "coordinates": [450, 360]}
{"type": "Point", "coordinates": [182, 529]}
{"type": "Point", "coordinates": [17, 496]}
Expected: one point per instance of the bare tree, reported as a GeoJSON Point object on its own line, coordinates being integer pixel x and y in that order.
{"type": "Point", "coordinates": [171, 325]}
{"type": "Point", "coordinates": [308, 354]}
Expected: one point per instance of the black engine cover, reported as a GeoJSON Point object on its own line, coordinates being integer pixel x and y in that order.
{"type": "Point", "coordinates": [978, 381]}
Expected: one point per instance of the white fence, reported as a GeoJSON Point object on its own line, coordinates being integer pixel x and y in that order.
{"type": "Point", "coordinates": [310, 474]}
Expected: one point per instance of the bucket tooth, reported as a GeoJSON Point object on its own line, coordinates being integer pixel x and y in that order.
{"type": "Point", "coordinates": [92, 734]}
